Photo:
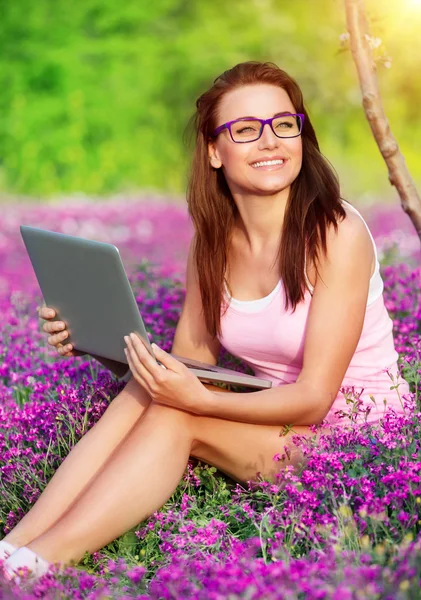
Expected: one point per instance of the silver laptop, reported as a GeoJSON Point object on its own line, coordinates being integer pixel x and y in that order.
{"type": "Point", "coordinates": [86, 284]}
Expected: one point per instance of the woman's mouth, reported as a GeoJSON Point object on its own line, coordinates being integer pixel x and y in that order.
{"type": "Point", "coordinates": [269, 165]}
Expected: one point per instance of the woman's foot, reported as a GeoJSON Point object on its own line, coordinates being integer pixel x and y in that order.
{"type": "Point", "coordinates": [23, 564]}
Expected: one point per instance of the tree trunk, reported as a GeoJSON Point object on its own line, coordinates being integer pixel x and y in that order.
{"type": "Point", "coordinates": [399, 176]}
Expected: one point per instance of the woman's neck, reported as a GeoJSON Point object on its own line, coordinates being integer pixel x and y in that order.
{"type": "Point", "coordinates": [259, 222]}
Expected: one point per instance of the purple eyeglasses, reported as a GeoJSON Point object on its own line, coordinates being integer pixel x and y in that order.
{"type": "Point", "coordinates": [249, 129]}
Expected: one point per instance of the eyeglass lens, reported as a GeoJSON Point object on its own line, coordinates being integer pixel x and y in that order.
{"type": "Point", "coordinates": [284, 126]}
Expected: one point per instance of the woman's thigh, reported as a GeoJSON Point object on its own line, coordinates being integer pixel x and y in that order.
{"type": "Point", "coordinates": [122, 413]}
{"type": "Point", "coordinates": [245, 451]}
{"type": "Point", "coordinates": [129, 406]}
{"type": "Point", "coordinates": [241, 450]}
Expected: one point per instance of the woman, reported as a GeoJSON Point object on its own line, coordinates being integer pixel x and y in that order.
{"type": "Point", "coordinates": [264, 203]}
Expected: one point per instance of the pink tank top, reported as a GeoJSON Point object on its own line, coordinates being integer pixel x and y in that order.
{"type": "Point", "coordinates": [271, 341]}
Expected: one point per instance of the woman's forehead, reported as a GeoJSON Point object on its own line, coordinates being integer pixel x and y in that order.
{"type": "Point", "coordinates": [258, 100]}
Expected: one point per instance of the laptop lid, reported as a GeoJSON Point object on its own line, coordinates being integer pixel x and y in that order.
{"type": "Point", "coordinates": [86, 284]}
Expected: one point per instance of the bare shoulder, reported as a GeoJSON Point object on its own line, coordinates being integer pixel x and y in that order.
{"type": "Point", "coordinates": [352, 222]}
{"type": "Point", "coordinates": [350, 242]}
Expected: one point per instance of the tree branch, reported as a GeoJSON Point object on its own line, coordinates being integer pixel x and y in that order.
{"type": "Point", "coordinates": [399, 175]}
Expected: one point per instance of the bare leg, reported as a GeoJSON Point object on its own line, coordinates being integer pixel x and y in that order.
{"type": "Point", "coordinates": [139, 478]}
{"type": "Point", "coordinates": [145, 470]}
{"type": "Point", "coordinates": [82, 464]}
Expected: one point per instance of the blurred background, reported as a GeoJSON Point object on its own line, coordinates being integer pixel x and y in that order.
{"type": "Point", "coordinates": [96, 95]}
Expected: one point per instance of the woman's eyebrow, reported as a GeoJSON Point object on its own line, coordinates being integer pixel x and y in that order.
{"type": "Point", "coordinates": [278, 114]}
{"type": "Point", "coordinates": [285, 112]}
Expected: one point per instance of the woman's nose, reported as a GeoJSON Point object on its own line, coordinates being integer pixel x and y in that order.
{"type": "Point", "coordinates": [268, 138]}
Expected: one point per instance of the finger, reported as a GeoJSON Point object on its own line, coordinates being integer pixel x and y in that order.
{"type": "Point", "coordinates": [53, 340]}
{"type": "Point", "coordinates": [167, 360]}
{"type": "Point", "coordinates": [62, 350]}
{"type": "Point", "coordinates": [67, 351]}
{"type": "Point", "coordinates": [146, 360]}
{"type": "Point", "coordinates": [51, 327]}
{"type": "Point", "coordinates": [138, 364]}
{"type": "Point", "coordinates": [46, 313]}
{"type": "Point", "coordinates": [135, 371]}
{"type": "Point", "coordinates": [143, 353]}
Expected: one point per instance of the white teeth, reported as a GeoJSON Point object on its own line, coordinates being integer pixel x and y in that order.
{"type": "Point", "coordinates": [267, 162]}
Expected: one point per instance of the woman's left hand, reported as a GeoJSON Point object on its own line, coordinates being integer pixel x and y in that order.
{"type": "Point", "coordinates": [174, 386]}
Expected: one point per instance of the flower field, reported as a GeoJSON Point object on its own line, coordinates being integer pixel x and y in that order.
{"type": "Point", "coordinates": [346, 527]}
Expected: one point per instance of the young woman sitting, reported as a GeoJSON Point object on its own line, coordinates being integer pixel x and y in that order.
{"type": "Point", "coordinates": [284, 274]}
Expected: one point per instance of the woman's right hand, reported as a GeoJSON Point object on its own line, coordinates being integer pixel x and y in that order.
{"type": "Point", "coordinates": [58, 331]}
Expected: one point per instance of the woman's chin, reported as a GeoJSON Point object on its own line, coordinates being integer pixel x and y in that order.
{"type": "Point", "coordinates": [272, 183]}
{"type": "Point", "coordinates": [271, 188]}
{"type": "Point", "coordinates": [265, 187]}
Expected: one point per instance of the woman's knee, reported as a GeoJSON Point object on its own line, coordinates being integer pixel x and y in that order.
{"type": "Point", "coordinates": [133, 399]}
{"type": "Point", "coordinates": [122, 414]}
{"type": "Point", "coordinates": [175, 418]}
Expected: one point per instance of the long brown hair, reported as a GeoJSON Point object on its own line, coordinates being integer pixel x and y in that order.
{"type": "Point", "coordinates": [313, 201]}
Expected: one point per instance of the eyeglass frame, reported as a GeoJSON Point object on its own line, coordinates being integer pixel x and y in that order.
{"type": "Point", "coordinates": [263, 122]}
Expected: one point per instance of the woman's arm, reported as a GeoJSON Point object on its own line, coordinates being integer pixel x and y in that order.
{"type": "Point", "coordinates": [293, 403]}
{"type": "Point", "coordinates": [191, 338]}
{"type": "Point", "coordinates": [333, 329]}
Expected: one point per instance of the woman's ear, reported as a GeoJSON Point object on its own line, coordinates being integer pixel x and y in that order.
{"type": "Point", "coordinates": [214, 159]}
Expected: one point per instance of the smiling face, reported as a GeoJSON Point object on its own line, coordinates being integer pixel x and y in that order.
{"type": "Point", "coordinates": [238, 161]}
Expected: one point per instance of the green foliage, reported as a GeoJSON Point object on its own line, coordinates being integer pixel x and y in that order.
{"type": "Point", "coordinates": [95, 96]}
